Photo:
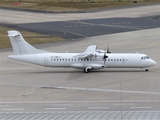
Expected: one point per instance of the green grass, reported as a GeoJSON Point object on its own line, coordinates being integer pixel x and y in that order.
{"type": "Point", "coordinates": [70, 5]}
{"type": "Point", "coordinates": [58, 6]}
{"type": "Point", "coordinates": [30, 37]}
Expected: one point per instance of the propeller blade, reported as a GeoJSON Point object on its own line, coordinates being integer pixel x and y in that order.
{"type": "Point", "coordinates": [105, 56]}
{"type": "Point", "coordinates": [108, 49]}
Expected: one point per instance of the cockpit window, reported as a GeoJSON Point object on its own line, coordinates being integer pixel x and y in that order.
{"type": "Point", "coordinates": [145, 57]}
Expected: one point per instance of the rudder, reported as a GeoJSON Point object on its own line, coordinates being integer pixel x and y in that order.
{"type": "Point", "coordinates": [20, 46]}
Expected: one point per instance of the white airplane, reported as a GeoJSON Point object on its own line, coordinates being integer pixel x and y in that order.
{"type": "Point", "coordinates": [92, 58]}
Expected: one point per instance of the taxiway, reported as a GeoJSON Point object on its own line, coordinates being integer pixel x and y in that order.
{"type": "Point", "coordinates": [34, 89]}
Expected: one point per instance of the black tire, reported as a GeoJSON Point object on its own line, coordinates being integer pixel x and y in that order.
{"type": "Point", "coordinates": [146, 70]}
{"type": "Point", "coordinates": [86, 70]}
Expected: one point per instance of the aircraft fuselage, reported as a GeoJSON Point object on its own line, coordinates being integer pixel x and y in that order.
{"type": "Point", "coordinates": [91, 58]}
{"type": "Point", "coordinates": [114, 60]}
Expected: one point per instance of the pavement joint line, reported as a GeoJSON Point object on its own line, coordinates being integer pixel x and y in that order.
{"type": "Point", "coordinates": [135, 28]}
{"type": "Point", "coordinates": [124, 104]}
{"type": "Point", "coordinates": [90, 89]}
{"type": "Point", "coordinates": [56, 30]}
{"type": "Point", "coordinates": [55, 108]}
{"type": "Point", "coordinates": [145, 46]}
{"type": "Point", "coordinates": [106, 90]}
{"type": "Point", "coordinates": [97, 107]}
{"type": "Point", "coordinates": [109, 101]}
{"type": "Point", "coordinates": [61, 104]}
{"type": "Point", "coordinates": [158, 111]}
{"type": "Point", "coordinates": [5, 105]}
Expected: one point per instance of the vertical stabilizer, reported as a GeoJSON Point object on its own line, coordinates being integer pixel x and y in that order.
{"type": "Point", "coordinates": [20, 46]}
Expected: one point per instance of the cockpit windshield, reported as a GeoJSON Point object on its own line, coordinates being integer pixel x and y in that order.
{"type": "Point", "coordinates": [145, 57]}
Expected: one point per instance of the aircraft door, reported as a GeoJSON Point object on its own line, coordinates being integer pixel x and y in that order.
{"type": "Point", "coordinates": [45, 62]}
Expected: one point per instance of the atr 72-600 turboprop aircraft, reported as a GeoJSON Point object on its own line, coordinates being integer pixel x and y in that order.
{"type": "Point", "coordinates": [92, 58]}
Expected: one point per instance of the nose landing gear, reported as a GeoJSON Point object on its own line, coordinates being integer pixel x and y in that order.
{"type": "Point", "coordinates": [146, 69]}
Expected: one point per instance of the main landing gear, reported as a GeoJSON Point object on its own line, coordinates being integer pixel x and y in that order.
{"type": "Point", "coordinates": [87, 69]}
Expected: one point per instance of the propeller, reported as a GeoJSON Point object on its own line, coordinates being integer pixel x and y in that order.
{"type": "Point", "coordinates": [105, 56]}
{"type": "Point", "coordinates": [108, 49]}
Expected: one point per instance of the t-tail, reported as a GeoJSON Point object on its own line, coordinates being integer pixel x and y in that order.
{"type": "Point", "coordinates": [23, 51]}
{"type": "Point", "coordinates": [20, 46]}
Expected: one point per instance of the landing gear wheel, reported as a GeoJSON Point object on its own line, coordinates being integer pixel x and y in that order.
{"type": "Point", "coordinates": [86, 70]}
{"type": "Point", "coordinates": [146, 69]}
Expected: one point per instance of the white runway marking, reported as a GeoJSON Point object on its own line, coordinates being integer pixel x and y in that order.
{"type": "Point", "coordinates": [32, 89]}
{"type": "Point", "coordinates": [106, 90]}
{"type": "Point", "coordinates": [11, 109]}
{"type": "Point", "coordinates": [107, 101]}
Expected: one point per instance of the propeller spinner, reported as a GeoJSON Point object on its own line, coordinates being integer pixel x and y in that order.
{"type": "Point", "coordinates": [105, 56]}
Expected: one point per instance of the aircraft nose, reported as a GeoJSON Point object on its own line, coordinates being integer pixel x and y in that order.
{"type": "Point", "coordinates": [153, 62]}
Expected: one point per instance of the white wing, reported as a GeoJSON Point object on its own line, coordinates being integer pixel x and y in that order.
{"type": "Point", "coordinates": [89, 52]}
